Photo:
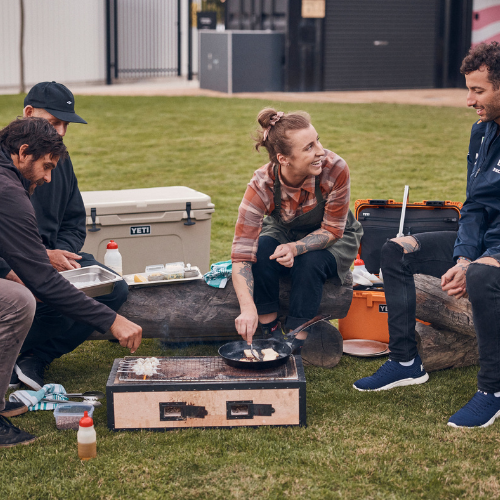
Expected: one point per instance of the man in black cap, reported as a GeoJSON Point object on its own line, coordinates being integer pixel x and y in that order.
{"type": "Point", "coordinates": [29, 151]}
{"type": "Point", "coordinates": [61, 218]}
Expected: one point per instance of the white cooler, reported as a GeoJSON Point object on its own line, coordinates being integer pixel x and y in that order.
{"type": "Point", "coordinates": [151, 226]}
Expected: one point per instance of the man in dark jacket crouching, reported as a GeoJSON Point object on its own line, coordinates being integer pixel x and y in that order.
{"type": "Point", "coordinates": [61, 218]}
{"type": "Point", "coordinates": [30, 149]}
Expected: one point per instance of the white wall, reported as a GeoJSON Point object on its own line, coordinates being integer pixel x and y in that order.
{"type": "Point", "coordinates": [64, 40]}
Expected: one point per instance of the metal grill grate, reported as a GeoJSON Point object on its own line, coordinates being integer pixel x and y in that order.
{"type": "Point", "coordinates": [203, 369]}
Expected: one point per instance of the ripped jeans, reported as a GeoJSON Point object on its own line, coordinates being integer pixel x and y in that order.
{"type": "Point", "coordinates": [432, 255]}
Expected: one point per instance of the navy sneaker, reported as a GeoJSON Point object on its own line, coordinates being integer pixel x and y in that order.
{"type": "Point", "coordinates": [392, 374]}
{"type": "Point", "coordinates": [480, 411]}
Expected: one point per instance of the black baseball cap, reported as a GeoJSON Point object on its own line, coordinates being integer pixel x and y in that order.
{"type": "Point", "coordinates": [54, 98]}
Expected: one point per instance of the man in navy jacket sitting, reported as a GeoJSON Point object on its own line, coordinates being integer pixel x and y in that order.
{"type": "Point", "coordinates": [468, 261]}
{"type": "Point", "coordinates": [61, 219]}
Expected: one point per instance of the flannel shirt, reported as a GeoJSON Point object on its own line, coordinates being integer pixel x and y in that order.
{"type": "Point", "coordinates": [258, 202]}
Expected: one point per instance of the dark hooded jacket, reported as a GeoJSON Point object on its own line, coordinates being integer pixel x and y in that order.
{"type": "Point", "coordinates": [60, 212]}
{"type": "Point", "coordinates": [22, 248]}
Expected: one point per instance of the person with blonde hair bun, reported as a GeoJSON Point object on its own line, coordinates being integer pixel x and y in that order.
{"type": "Point", "coordinates": [294, 219]}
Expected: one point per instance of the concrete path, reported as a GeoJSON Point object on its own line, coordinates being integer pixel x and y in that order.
{"type": "Point", "coordinates": [178, 86]}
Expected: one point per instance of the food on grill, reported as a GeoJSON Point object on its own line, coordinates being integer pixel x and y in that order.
{"type": "Point", "coordinates": [140, 279]}
{"type": "Point", "coordinates": [147, 366]}
{"type": "Point", "coordinates": [269, 354]}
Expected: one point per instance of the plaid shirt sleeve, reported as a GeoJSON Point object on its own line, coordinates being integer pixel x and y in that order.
{"type": "Point", "coordinates": [255, 205]}
{"type": "Point", "coordinates": [336, 185]}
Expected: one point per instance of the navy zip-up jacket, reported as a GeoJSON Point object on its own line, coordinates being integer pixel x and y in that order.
{"type": "Point", "coordinates": [60, 212]}
{"type": "Point", "coordinates": [479, 225]}
{"type": "Point", "coordinates": [21, 246]}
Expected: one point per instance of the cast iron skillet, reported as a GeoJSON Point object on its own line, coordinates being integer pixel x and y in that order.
{"type": "Point", "coordinates": [233, 352]}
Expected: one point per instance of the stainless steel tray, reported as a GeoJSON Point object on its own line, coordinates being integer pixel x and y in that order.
{"type": "Point", "coordinates": [93, 280]}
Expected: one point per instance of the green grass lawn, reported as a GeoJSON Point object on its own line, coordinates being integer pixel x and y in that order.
{"type": "Point", "coordinates": [386, 445]}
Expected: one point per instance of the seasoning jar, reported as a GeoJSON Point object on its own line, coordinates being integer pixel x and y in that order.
{"type": "Point", "coordinates": [86, 437]}
{"type": "Point", "coordinates": [113, 258]}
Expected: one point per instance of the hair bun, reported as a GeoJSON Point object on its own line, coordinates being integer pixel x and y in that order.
{"type": "Point", "coordinates": [264, 117]}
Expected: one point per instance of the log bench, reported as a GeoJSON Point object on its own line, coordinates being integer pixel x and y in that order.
{"type": "Point", "coordinates": [450, 339]}
{"type": "Point", "coordinates": [194, 311]}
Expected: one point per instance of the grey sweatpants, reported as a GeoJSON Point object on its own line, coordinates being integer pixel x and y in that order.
{"type": "Point", "coordinates": [17, 309]}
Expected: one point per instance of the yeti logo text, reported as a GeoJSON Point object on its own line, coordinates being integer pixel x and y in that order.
{"type": "Point", "coordinates": [382, 308]}
{"type": "Point", "coordinates": [140, 230]}
{"type": "Point", "coordinates": [496, 170]}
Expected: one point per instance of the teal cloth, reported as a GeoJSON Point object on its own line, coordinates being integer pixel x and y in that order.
{"type": "Point", "coordinates": [219, 274]}
{"type": "Point", "coordinates": [32, 399]}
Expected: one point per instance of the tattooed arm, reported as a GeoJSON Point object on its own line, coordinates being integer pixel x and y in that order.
{"type": "Point", "coordinates": [317, 240]}
{"type": "Point", "coordinates": [246, 323]}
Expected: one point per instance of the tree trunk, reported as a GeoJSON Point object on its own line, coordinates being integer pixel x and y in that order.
{"type": "Point", "coordinates": [194, 311]}
{"type": "Point", "coordinates": [441, 349]}
{"type": "Point", "coordinates": [443, 312]}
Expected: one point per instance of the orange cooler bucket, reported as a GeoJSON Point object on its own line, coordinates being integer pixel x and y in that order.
{"type": "Point", "coordinates": [367, 317]}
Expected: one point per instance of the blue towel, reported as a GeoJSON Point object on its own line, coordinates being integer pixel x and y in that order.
{"type": "Point", "coordinates": [218, 274]}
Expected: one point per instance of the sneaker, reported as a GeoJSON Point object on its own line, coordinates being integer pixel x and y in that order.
{"type": "Point", "coordinates": [30, 370]}
{"type": "Point", "coordinates": [272, 333]}
{"type": "Point", "coordinates": [392, 374]}
{"type": "Point", "coordinates": [11, 435]}
{"type": "Point", "coordinates": [13, 409]}
{"type": "Point", "coordinates": [14, 381]}
{"type": "Point", "coordinates": [480, 411]}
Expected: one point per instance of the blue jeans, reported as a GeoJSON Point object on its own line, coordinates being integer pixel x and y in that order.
{"type": "Point", "coordinates": [433, 256]}
{"type": "Point", "coordinates": [53, 334]}
{"type": "Point", "coordinates": [308, 274]}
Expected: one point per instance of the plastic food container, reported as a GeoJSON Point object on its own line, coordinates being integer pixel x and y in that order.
{"type": "Point", "coordinates": [68, 415]}
{"type": "Point", "coordinates": [174, 271]}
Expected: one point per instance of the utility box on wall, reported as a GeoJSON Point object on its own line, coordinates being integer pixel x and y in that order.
{"type": "Point", "coordinates": [241, 61]}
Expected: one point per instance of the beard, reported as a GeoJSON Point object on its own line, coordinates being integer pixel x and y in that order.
{"type": "Point", "coordinates": [28, 172]}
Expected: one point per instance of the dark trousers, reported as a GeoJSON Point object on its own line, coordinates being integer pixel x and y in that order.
{"type": "Point", "coordinates": [53, 334]}
{"type": "Point", "coordinates": [483, 287]}
{"type": "Point", "coordinates": [308, 275]}
{"type": "Point", "coordinates": [434, 256]}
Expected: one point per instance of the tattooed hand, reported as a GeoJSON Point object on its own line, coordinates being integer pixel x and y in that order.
{"type": "Point", "coordinates": [454, 280]}
{"type": "Point", "coordinates": [284, 254]}
{"type": "Point", "coordinates": [317, 240]}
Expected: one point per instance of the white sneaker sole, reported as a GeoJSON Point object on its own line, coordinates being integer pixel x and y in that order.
{"type": "Point", "coordinates": [399, 383]}
{"type": "Point", "coordinates": [26, 380]}
{"type": "Point", "coordinates": [487, 424]}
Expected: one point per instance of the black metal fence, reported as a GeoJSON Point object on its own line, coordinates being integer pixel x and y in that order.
{"type": "Point", "coordinates": [143, 38]}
